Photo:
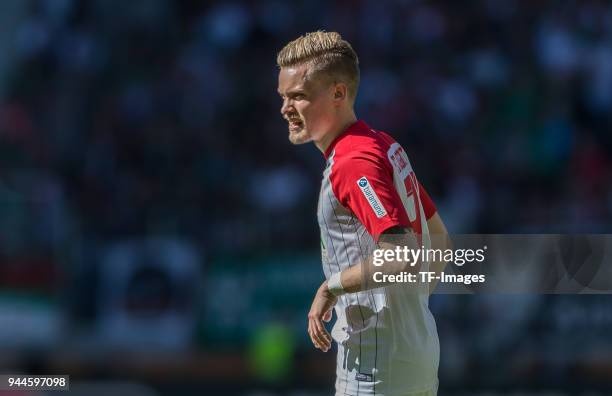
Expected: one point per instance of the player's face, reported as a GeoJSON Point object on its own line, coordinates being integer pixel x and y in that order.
{"type": "Point", "coordinates": [307, 106]}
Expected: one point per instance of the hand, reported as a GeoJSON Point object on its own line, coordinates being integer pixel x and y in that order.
{"type": "Point", "coordinates": [321, 310]}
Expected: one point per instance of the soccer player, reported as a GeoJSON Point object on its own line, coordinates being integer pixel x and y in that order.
{"type": "Point", "coordinates": [387, 338]}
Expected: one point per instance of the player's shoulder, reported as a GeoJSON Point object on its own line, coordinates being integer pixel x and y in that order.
{"type": "Point", "coordinates": [361, 143]}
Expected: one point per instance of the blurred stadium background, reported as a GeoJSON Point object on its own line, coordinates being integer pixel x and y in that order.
{"type": "Point", "coordinates": [157, 230]}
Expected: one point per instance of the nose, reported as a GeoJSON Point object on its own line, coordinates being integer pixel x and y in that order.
{"type": "Point", "coordinates": [285, 106]}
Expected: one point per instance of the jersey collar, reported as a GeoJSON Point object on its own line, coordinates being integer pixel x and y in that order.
{"type": "Point", "coordinates": [357, 125]}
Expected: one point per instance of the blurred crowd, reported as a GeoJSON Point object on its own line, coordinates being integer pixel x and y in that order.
{"type": "Point", "coordinates": [158, 118]}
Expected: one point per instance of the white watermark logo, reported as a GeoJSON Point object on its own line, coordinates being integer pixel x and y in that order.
{"type": "Point", "coordinates": [412, 257]}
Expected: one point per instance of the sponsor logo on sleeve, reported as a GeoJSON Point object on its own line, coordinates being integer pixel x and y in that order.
{"type": "Point", "coordinates": [371, 197]}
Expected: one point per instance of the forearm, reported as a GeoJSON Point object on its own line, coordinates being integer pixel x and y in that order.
{"type": "Point", "coordinates": [351, 279]}
{"type": "Point", "coordinates": [439, 240]}
{"type": "Point", "coordinates": [359, 276]}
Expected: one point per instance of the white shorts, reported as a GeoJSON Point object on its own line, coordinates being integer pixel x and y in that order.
{"type": "Point", "coordinates": [350, 382]}
{"type": "Point", "coordinates": [428, 392]}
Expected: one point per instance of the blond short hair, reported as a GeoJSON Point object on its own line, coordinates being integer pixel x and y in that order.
{"type": "Point", "coordinates": [326, 54]}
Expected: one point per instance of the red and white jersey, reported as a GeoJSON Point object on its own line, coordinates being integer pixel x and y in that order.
{"type": "Point", "coordinates": [387, 339]}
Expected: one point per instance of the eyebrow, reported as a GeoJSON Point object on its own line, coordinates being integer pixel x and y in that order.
{"type": "Point", "coordinates": [292, 91]}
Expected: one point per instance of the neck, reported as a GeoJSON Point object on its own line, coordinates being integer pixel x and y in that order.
{"type": "Point", "coordinates": [339, 127]}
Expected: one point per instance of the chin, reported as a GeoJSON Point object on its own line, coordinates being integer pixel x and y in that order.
{"type": "Point", "coordinates": [300, 137]}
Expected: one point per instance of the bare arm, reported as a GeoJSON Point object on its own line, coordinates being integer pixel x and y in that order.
{"type": "Point", "coordinates": [352, 278]}
{"type": "Point", "coordinates": [439, 240]}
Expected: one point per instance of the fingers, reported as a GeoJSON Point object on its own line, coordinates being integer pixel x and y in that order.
{"type": "Point", "coordinates": [313, 338]}
{"type": "Point", "coordinates": [320, 309]}
{"type": "Point", "coordinates": [324, 337]}
{"type": "Point", "coordinates": [313, 335]}
{"type": "Point", "coordinates": [318, 334]}
{"type": "Point", "coordinates": [327, 316]}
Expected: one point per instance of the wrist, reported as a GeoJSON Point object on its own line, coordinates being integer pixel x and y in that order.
{"type": "Point", "coordinates": [334, 285]}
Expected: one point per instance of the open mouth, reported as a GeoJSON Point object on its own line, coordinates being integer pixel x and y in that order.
{"type": "Point", "coordinates": [295, 124]}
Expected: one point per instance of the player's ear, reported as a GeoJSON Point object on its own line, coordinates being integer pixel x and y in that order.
{"type": "Point", "coordinates": [340, 92]}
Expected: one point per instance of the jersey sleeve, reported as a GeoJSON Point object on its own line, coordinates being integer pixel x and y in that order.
{"type": "Point", "coordinates": [428, 206]}
{"type": "Point", "coordinates": [363, 183]}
